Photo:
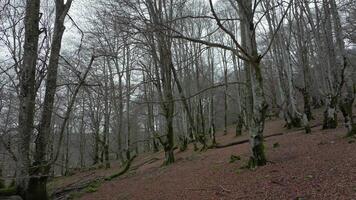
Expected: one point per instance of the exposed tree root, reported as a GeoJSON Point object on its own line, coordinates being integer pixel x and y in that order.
{"type": "Point", "coordinates": [81, 185]}
{"type": "Point", "coordinates": [123, 171]}
{"type": "Point", "coordinates": [76, 186]}
{"type": "Point", "coordinates": [150, 161]}
{"type": "Point", "coordinates": [219, 146]}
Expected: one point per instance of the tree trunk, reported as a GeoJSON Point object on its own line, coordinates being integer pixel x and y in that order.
{"type": "Point", "coordinates": [150, 116]}
{"type": "Point", "coordinates": [258, 105]}
{"type": "Point", "coordinates": [212, 109]}
{"type": "Point", "coordinates": [330, 114]}
{"type": "Point", "coordinates": [169, 105]}
{"type": "Point", "coordinates": [239, 125]}
{"type": "Point", "coordinates": [66, 161]}
{"type": "Point", "coordinates": [27, 98]}
{"type": "Point", "coordinates": [333, 71]}
{"type": "Point", "coordinates": [159, 12]}
{"type": "Point", "coordinates": [82, 138]}
{"type": "Point", "coordinates": [106, 119]}
{"type": "Point", "coordinates": [39, 171]}
{"type": "Point", "coordinates": [225, 91]}
{"type": "Point", "coordinates": [96, 146]}
{"type": "Point", "coordinates": [346, 76]}
{"type": "Point", "coordinates": [185, 103]}
{"type": "Point", "coordinates": [117, 106]}
{"type": "Point", "coordinates": [128, 90]}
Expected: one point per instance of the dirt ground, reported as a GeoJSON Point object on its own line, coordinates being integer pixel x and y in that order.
{"type": "Point", "coordinates": [321, 165]}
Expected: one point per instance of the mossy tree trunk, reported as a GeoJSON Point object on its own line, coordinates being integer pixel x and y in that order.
{"type": "Point", "coordinates": [346, 109]}
{"type": "Point", "coordinates": [239, 125]}
{"type": "Point", "coordinates": [161, 15]}
{"type": "Point", "coordinates": [38, 183]}
{"type": "Point", "coordinates": [258, 118]}
{"type": "Point", "coordinates": [257, 104]}
{"type": "Point", "coordinates": [33, 177]}
{"type": "Point", "coordinates": [333, 69]}
{"type": "Point", "coordinates": [330, 114]}
{"type": "Point", "coordinates": [2, 181]}
{"type": "Point", "coordinates": [280, 48]}
{"type": "Point", "coordinates": [169, 144]}
{"type": "Point", "coordinates": [303, 37]}
{"type": "Point", "coordinates": [347, 72]}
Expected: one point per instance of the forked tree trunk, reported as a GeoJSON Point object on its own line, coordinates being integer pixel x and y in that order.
{"type": "Point", "coordinates": [160, 14]}
{"type": "Point", "coordinates": [39, 172]}
{"type": "Point", "coordinates": [255, 85]}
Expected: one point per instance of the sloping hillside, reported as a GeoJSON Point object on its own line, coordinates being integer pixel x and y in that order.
{"type": "Point", "coordinates": [321, 165]}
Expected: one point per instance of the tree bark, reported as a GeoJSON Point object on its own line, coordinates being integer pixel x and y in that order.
{"type": "Point", "coordinates": [258, 105]}
{"type": "Point", "coordinates": [165, 65]}
{"type": "Point", "coordinates": [27, 97]}
{"type": "Point", "coordinates": [346, 76]}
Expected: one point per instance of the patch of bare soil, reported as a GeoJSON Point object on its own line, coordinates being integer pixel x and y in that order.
{"type": "Point", "coordinates": [321, 165]}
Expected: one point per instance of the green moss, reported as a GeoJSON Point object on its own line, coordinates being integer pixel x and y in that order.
{"type": "Point", "coordinates": [296, 122]}
{"type": "Point", "coordinates": [300, 198]}
{"type": "Point", "coordinates": [75, 195]}
{"type": "Point", "coordinates": [309, 177]}
{"type": "Point", "coordinates": [93, 187]}
{"type": "Point", "coordinates": [307, 129]}
{"type": "Point", "coordinates": [258, 158]}
{"type": "Point", "coordinates": [169, 158]}
{"type": "Point", "coordinates": [239, 125]}
{"type": "Point", "coordinates": [183, 143]}
{"type": "Point", "coordinates": [8, 191]}
{"type": "Point", "coordinates": [2, 181]}
{"type": "Point", "coordinates": [239, 171]}
{"type": "Point", "coordinates": [352, 132]}
{"type": "Point", "coordinates": [12, 183]}
{"type": "Point", "coordinates": [276, 145]}
{"type": "Point", "coordinates": [329, 122]}
{"type": "Point", "coordinates": [2, 184]}
{"type": "Point", "coordinates": [234, 158]}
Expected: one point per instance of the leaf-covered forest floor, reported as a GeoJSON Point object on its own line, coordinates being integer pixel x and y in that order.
{"type": "Point", "coordinates": [321, 165]}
